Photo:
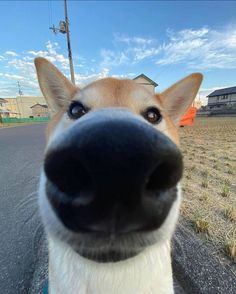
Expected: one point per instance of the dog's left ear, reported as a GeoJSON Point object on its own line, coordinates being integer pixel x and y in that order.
{"type": "Point", "coordinates": [179, 97]}
{"type": "Point", "coordinates": [56, 88]}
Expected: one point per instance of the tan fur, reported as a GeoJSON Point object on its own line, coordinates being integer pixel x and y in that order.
{"type": "Point", "coordinates": [56, 88]}
{"type": "Point", "coordinates": [179, 97]}
{"type": "Point", "coordinates": [53, 123]}
{"type": "Point", "coordinates": [110, 92]}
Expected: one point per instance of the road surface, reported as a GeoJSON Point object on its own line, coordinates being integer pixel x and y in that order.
{"type": "Point", "coordinates": [21, 153]}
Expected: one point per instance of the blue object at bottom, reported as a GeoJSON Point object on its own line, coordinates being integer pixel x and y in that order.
{"type": "Point", "coordinates": [45, 288]}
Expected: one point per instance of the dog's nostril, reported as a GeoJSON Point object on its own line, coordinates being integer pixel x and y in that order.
{"type": "Point", "coordinates": [166, 174]}
{"type": "Point", "coordinates": [65, 171]}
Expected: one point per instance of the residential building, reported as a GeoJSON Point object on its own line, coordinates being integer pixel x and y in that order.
{"type": "Point", "coordinates": [13, 108]}
{"type": "Point", "coordinates": [21, 105]}
{"type": "Point", "coordinates": [222, 98]}
{"type": "Point", "coordinates": [40, 110]}
{"type": "Point", "coordinates": [4, 112]}
{"type": "Point", "coordinates": [146, 82]}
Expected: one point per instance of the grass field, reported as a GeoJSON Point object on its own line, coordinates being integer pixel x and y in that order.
{"type": "Point", "coordinates": [209, 183]}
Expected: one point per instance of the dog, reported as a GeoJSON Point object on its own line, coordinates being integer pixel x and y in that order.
{"type": "Point", "coordinates": [110, 190]}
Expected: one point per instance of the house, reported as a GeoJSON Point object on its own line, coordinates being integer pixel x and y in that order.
{"type": "Point", "coordinates": [146, 82]}
{"type": "Point", "coordinates": [221, 98]}
{"type": "Point", "coordinates": [40, 110]}
{"type": "Point", "coordinates": [21, 105]}
{"type": "Point", "coordinates": [4, 112]}
{"type": "Point", "coordinates": [12, 107]}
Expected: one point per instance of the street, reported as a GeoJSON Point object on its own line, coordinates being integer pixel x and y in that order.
{"type": "Point", "coordinates": [21, 153]}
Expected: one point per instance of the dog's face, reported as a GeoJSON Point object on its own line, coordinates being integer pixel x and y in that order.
{"type": "Point", "coordinates": [109, 186]}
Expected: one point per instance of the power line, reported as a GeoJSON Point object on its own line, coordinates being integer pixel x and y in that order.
{"type": "Point", "coordinates": [49, 12]}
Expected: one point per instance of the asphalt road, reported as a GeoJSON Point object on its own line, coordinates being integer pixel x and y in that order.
{"type": "Point", "coordinates": [21, 153]}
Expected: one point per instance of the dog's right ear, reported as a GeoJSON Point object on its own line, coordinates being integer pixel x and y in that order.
{"type": "Point", "coordinates": [56, 88]}
{"type": "Point", "coordinates": [178, 98]}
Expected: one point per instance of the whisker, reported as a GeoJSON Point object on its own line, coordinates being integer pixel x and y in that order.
{"type": "Point", "coordinates": [38, 234]}
{"type": "Point", "coordinates": [34, 213]}
{"type": "Point", "coordinates": [38, 247]}
{"type": "Point", "coordinates": [32, 201]}
{"type": "Point", "coordinates": [26, 200]}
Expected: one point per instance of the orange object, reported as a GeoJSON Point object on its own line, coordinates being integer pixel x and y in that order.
{"type": "Point", "coordinates": [188, 118]}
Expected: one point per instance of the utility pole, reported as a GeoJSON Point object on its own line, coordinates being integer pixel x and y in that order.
{"type": "Point", "coordinates": [20, 94]}
{"type": "Point", "coordinates": [19, 89]}
{"type": "Point", "coordinates": [68, 44]}
{"type": "Point", "coordinates": [64, 29]}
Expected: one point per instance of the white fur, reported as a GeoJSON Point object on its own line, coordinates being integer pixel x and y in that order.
{"type": "Point", "coordinates": [149, 272]}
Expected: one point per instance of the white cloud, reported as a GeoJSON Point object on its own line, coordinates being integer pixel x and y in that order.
{"type": "Point", "coordinates": [52, 55]}
{"type": "Point", "coordinates": [131, 50]}
{"type": "Point", "coordinates": [187, 34]}
{"type": "Point", "coordinates": [83, 80]}
{"type": "Point", "coordinates": [38, 53]}
{"type": "Point", "coordinates": [11, 53]}
{"type": "Point", "coordinates": [200, 49]}
{"type": "Point", "coordinates": [111, 58]}
{"type": "Point", "coordinates": [125, 76]}
{"type": "Point", "coordinates": [12, 76]}
{"type": "Point", "coordinates": [133, 40]}
{"type": "Point", "coordinates": [141, 53]}
{"type": "Point", "coordinates": [20, 67]}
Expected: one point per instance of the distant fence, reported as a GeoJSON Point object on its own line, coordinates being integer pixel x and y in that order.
{"type": "Point", "coordinates": [217, 112]}
{"type": "Point", "coordinates": [23, 120]}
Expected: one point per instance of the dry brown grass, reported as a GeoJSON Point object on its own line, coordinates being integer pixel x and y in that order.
{"type": "Point", "coordinates": [10, 125]}
{"type": "Point", "coordinates": [209, 183]}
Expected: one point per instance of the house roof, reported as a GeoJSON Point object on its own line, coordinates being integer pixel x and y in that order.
{"type": "Point", "coordinates": [3, 100]}
{"type": "Point", "coordinates": [146, 78]}
{"type": "Point", "coordinates": [224, 91]}
{"type": "Point", "coordinates": [42, 105]}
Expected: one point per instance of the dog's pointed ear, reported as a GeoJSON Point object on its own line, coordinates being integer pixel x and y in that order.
{"type": "Point", "coordinates": [179, 97]}
{"type": "Point", "coordinates": [56, 88]}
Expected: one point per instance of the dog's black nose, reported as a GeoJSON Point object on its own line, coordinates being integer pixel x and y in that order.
{"type": "Point", "coordinates": [112, 171]}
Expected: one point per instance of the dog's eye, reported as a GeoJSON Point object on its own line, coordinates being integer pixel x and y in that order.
{"type": "Point", "coordinates": [76, 110]}
{"type": "Point", "coordinates": [153, 115]}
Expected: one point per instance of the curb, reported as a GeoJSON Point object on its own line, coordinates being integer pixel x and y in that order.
{"type": "Point", "coordinates": [196, 269]}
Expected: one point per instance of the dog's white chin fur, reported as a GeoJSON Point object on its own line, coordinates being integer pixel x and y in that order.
{"type": "Point", "coordinates": [148, 272]}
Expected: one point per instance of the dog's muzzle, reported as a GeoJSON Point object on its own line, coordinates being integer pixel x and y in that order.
{"type": "Point", "coordinates": [112, 173]}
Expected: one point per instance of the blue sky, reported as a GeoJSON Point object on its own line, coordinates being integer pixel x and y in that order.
{"type": "Point", "coordinates": [164, 40]}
